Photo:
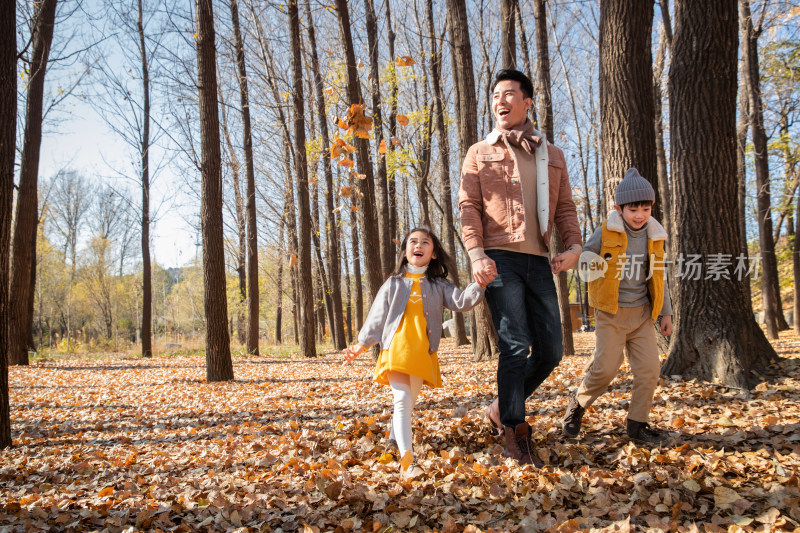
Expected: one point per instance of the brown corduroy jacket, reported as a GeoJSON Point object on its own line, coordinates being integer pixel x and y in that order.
{"type": "Point", "coordinates": [490, 199]}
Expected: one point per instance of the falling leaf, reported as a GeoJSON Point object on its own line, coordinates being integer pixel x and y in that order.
{"type": "Point", "coordinates": [404, 61]}
{"type": "Point", "coordinates": [349, 163]}
{"type": "Point", "coordinates": [395, 141]}
{"type": "Point", "coordinates": [402, 120]}
{"type": "Point", "coordinates": [345, 191]}
{"type": "Point", "coordinates": [359, 176]}
{"type": "Point", "coordinates": [292, 259]}
{"type": "Point", "coordinates": [382, 147]}
{"type": "Point", "coordinates": [397, 242]}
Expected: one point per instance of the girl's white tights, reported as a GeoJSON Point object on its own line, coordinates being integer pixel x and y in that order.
{"type": "Point", "coordinates": [405, 389]}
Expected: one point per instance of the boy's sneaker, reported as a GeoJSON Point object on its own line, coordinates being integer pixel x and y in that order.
{"type": "Point", "coordinates": [642, 433]}
{"type": "Point", "coordinates": [571, 426]}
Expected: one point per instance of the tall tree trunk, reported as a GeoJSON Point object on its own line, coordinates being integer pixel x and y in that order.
{"type": "Point", "coordinates": [305, 289]}
{"type": "Point", "coordinates": [715, 335]}
{"type": "Point", "coordinates": [742, 127]}
{"type": "Point", "coordinates": [279, 284]}
{"type": "Point", "coordinates": [508, 42]}
{"type": "Point", "coordinates": [391, 186]}
{"type": "Point", "coordinates": [770, 288]}
{"type": "Point", "coordinates": [348, 297]}
{"type": "Point", "coordinates": [546, 114]}
{"type": "Point", "coordinates": [485, 338]}
{"type": "Point", "coordinates": [357, 282]}
{"type": "Point", "coordinates": [251, 343]}
{"type": "Point", "coordinates": [367, 213]}
{"type": "Point", "coordinates": [381, 181]}
{"type": "Point", "coordinates": [626, 95]}
{"type": "Point", "coordinates": [8, 127]}
{"type": "Point", "coordinates": [219, 366]}
{"type": "Point", "coordinates": [147, 276]}
{"type": "Point", "coordinates": [526, 56]}
{"type": "Point", "coordinates": [661, 153]}
{"type": "Point", "coordinates": [27, 198]}
{"type": "Point", "coordinates": [796, 266]}
{"type": "Point", "coordinates": [444, 165]}
{"type": "Point", "coordinates": [331, 225]}
{"type": "Point", "coordinates": [241, 230]}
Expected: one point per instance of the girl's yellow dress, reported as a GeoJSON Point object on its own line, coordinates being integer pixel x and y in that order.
{"type": "Point", "coordinates": [408, 351]}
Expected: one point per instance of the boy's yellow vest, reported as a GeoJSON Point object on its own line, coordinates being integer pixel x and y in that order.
{"type": "Point", "coordinates": [604, 291]}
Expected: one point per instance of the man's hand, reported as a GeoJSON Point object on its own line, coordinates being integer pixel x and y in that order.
{"type": "Point", "coordinates": [484, 270]}
{"type": "Point", "coordinates": [666, 326]}
{"type": "Point", "coordinates": [352, 352]}
{"type": "Point", "coordinates": [564, 261]}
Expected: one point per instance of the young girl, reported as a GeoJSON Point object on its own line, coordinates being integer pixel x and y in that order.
{"type": "Point", "coordinates": [406, 319]}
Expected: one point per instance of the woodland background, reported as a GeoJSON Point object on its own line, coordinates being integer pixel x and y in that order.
{"type": "Point", "coordinates": [305, 139]}
{"type": "Point", "coordinates": [309, 137]}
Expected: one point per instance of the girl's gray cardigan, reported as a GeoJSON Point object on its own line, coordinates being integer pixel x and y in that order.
{"type": "Point", "coordinates": [390, 303]}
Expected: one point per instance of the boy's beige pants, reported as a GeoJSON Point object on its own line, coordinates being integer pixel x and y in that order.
{"type": "Point", "coordinates": [631, 326]}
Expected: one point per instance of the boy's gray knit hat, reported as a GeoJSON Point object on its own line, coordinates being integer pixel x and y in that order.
{"type": "Point", "coordinates": [634, 188]}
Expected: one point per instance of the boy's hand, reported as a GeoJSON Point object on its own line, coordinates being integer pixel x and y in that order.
{"type": "Point", "coordinates": [564, 261]}
{"type": "Point", "coordinates": [351, 353]}
{"type": "Point", "coordinates": [666, 326]}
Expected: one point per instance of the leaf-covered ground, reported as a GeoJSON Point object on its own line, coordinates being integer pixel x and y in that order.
{"type": "Point", "coordinates": [298, 445]}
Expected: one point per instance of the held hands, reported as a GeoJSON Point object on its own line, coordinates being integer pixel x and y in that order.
{"type": "Point", "coordinates": [484, 270]}
{"type": "Point", "coordinates": [564, 261]}
{"type": "Point", "coordinates": [351, 352]}
{"type": "Point", "coordinates": [666, 326]}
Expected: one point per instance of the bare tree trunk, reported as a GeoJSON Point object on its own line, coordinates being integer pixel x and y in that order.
{"type": "Point", "coordinates": [381, 182]}
{"type": "Point", "coordinates": [241, 231]}
{"type": "Point", "coordinates": [147, 276]}
{"type": "Point", "coordinates": [331, 232]}
{"type": "Point", "coordinates": [546, 114]}
{"type": "Point", "coordinates": [741, 165]}
{"type": "Point", "coordinates": [219, 366]}
{"type": "Point", "coordinates": [661, 153]}
{"type": "Point", "coordinates": [27, 197]}
{"type": "Point", "coordinates": [251, 343]}
{"type": "Point", "coordinates": [8, 127]}
{"type": "Point", "coordinates": [348, 297]}
{"type": "Point", "coordinates": [770, 288]}
{"type": "Point", "coordinates": [357, 269]}
{"type": "Point", "coordinates": [508, 43]}
{"type": "Point", "coordinates": [526, 57]}
{"type": "Point", "coordinates": [367, 213]}
{"type": "Point", "coordinates": [626, 95]}
{"type": "Point", "coordinates": [279, 283]}
{"type": "Point", "coordinates": [305, 286]}
{"type": "Point", "coordinates": [444, 164]}
{"type": "Point", "coordinates": [715, 335]}
{"type": "Point", "coordinates": [485, 339]}
{"type": "Point", "coordinates": [796, 266]}
{"type": "Point", "coordinates": [391, 186]}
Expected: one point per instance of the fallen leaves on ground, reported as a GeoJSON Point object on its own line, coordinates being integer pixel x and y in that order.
{"type": "Point", "coordinates": [300, 445]}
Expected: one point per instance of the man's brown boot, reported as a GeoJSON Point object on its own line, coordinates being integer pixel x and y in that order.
{"type": "Point", "coordinates": [519, 445]}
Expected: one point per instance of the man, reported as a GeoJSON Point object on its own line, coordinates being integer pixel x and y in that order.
{"type": "Point", "coordinates": [514, 189]}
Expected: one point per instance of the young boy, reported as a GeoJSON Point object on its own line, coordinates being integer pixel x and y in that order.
{"type": "Point", "coordinates": [627, 298]}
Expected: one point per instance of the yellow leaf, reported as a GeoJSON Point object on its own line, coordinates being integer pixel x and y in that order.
{"type": "Point", "coordinates": [292, 260]}
{"type": "Point", "coordinates": [404, 61]}
{"type": "Point", "coordinates": [402, 120]}
{"type": "Point", "coordinates": [382, 147]}
{"type": "Point", "coordinates": [725, 422]}
{"type": "Point", "coordinates": [385, 459]}
{"type": "Point", "coordinates": [108, 491]}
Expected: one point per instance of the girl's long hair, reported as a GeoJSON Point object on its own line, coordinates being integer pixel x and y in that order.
{"type": "Point", "coordinates": [439, 267]}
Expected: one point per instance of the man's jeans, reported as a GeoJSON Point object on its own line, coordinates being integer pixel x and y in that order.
{"type": "Point", "coordinates": [524, 306]}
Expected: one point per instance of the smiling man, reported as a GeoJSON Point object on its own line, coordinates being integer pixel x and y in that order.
{"type": "Point", "coordinates": [514, 189]}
